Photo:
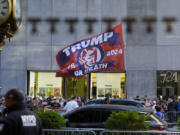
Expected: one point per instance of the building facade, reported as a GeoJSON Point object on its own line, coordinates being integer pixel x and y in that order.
{"type": "Point", "coordinates": [151, 48]}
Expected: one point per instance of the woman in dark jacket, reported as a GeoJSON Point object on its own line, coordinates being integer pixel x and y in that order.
{"type": "Point", "coordinates": [172, 108]}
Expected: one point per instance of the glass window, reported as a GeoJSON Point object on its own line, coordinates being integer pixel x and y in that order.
{"type": "Point", "coordinates": [105, 115]}
{"type": "Point", "coordinates": [44, 84]}
{"type": "Point", "coordinates": [83, 116]}
{"type": "Point", "coordinates": [107, 84]}
{"type": "Point", "coordinates": [168, 84]}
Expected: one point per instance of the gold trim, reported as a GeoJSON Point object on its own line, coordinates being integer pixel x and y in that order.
{"type": "Point", "coordinates": [1, 45]}
{"type": "Point", "coordinates": [9, 13]}
{"type": "Point", "coordinates": [35, 84]}
{"type": "Point", "coordinates": [14, 10]}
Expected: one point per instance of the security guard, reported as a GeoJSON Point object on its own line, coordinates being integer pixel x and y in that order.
{"type": "Point", "coordinates": [17, 120]}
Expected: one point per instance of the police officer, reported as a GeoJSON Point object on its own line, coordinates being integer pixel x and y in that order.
{"type": "Point", "coordinates": [17, 120]}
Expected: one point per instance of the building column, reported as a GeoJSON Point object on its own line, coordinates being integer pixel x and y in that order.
{"type": "Point", "coordinates": [141, 50]}
{"type": "Point", "coordinates": [141, 83]}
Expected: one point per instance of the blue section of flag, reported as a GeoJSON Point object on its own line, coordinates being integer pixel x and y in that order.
{"type": "Point", "coordinates": [114, 40]}
{"type": "Point", "coordinates": [111, 63]}
{"type": "Point", "coordinates": [63, 59]}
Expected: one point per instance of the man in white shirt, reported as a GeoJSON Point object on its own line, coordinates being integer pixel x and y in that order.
{"type": "Point", "coordinates": [71, 104]}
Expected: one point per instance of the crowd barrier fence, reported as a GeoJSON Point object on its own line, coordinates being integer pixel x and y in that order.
{"type": "Point", "coordinates": [77, 131]}
{"type": "Point", "coordinates": [172, 116]}
{"type": "Point", "coordinates": [117, 132]}
{"type": "Point", "coordinates": [72, 131]}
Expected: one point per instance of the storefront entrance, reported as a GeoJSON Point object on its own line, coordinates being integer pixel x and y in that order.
{"type": "Point", "coordinates": [76, 87]}
{"type": "Point", "coordinates": [94, 85]}
{"type": "Point", "coordinates": [44, 84]}
{"type": "Point", "coordinates": [107, 84]}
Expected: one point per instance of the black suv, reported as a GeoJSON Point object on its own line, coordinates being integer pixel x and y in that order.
{"type": "Point", "coordinates": [93, 116]}
{"type": "Point", "coordinates": [127, 102]}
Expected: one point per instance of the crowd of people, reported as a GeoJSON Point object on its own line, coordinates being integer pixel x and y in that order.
{"type": "Point", "coordinates": [54, 103]}
{"type": "Point", "coordinates": [171, 107]}
{"type": "Point", "coordinates": [160, 106]}
{"type": "Point", "coordinates": [16, 115]}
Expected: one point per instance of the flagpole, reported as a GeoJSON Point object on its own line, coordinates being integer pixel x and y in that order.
{"type": "Point", "coordinates": [1, 45]}
{"type": "Point", "coordinates": [88, 86]}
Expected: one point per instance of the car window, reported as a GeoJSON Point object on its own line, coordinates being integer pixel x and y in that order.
{"type": "Point", "coordinates": [82, 116]}
{"type": "Point", "coordinates": [101, 115]}
{"type": "Point", "coordinates": [139, 105]}
{"type": "Point", "coordinates": [100, 102]}
{"type": "Point", "coordinates": [118, 102]}
{"type": "Point", "coordinates": [131, 103]}
{"type": "Point", "coordinates": [106, 114]}
{"type": "Point", "coordinates": [97, 116]}
{"type": "Point", "coordinates": [89, 116]}
{"type": "Point", "coordinates": [95, 102]}
{"type": "Point", "coordinates": [90, 102]}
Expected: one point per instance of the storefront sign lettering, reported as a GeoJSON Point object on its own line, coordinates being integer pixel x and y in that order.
{"type": "Point", "coordinates": [169, 77]}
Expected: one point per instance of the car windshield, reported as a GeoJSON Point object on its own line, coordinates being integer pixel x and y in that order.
{"type": "Point", "coordinates": [117, 102]}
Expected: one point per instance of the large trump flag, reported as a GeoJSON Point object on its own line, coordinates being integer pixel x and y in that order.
{"type": "Point", "coordinates": [103, 52]}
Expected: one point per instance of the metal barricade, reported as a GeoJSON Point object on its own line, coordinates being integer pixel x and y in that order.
{"type": "Point", "coordinates": [69, 131]}
{"type": "Point", "coordinates": [172, 116]}
{"type": "Point", "coordinates": [118, 132]}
